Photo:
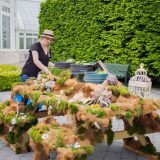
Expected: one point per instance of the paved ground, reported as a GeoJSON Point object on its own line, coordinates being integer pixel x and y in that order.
{"type": "Point", "coordinates": [102, 151]}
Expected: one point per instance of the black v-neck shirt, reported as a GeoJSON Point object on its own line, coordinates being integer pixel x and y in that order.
{"type": "Point", "coordinates": [30, 68]}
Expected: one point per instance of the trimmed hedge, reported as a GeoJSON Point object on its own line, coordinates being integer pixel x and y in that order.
{"type": "Point", "coordinates": [8, 76]}
{"type": "Point", "coordinates": [126, 32]}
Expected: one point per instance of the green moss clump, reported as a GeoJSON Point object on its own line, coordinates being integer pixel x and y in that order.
{"type": "Point", "coordinates": [6, 103]}
{"type": "Point", "coordinates": [20, 122]}
{"type": "Point", "coordinates": [69, 91]}
{"type": "Point", "coordinates": [8, 118]}
{"type": "Point", "coordinates": [114, 107]}
{"type": "Point", "coordinates": [10, 137]}
{"type": "Point", "coordinates": [36, 135]}
{"type": "Point", "coordinates": [59, 139]}
{"type": "Point", "coordinates": [119, 90]}
{"type": "Point", "coordinates": [74, 107]}
{"type": "Point", "coordinates": [62, 105]}
{"type": "Point", "coordinates": [61, 81]}
{"type": "Point", "coordinates": [88, 149]}
{"type": "Point", "coordinates": [141, 101]}
{"type": "Point", "coordinates": [96, 111]}
{"type": "Point", "coordinates": [138, 111]}
{"type": "Point", "coordinates": [35, 97]}
{"type": "Point", "coordinates": [129, 114]}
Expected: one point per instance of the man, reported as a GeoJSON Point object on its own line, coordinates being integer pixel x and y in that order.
{"type": "Point", "coordinates": [39, 56]}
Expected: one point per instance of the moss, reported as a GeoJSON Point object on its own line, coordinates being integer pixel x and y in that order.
{"type": "Point", "coordinates": [18, 135]}
{"type": "Point", "coordinates": [1, 116]}
{"type": "Point", "coordinates": [138, 111]}
{"type": "Point", "coordinates": [56, 71]}
{"type": "Point", "coordinates": [10, 137]}
{"type": "Point", "coordinates": [59, 139]}
{"type": "Point", "coordinates": [35, 97]}
{"type": "Point", "coordinates": [68, 91]}
{"type": "Point", "coordinates": [52, 104]}
{"type": "Point", "coordinates": [8, 118]}
{"type": "Point", "coordinates": [35, 135]}
{"type": "Point", "coordinates": [49, 94]}
{"type": "Point", "coordinates": [20, 122]}
{"type": "Point", "coordinates": [6, 103]}
{"type": "Point", "coordinates": [96, 111]}
{"type": "Point", "coordinates": [88, 149]}
{"type": "Point", "coordinates": [128, 114]}
{"type": "Point", "coordinates": [54, 126]}
{"type": "Point", "coordinates": [62, 105]}
{"type": "Point", "coordinates": [141, 101]}
{"type": "Point", "coordinates": [61, 81]}
{"type": "Point", "coordinates": [114, 107]}
{"type": "Point", "coordinates": [30, 119]}
{"type": "Point", "coordinates": [119, 90]}
{"type": "Point", "coordinates": [73, 107]}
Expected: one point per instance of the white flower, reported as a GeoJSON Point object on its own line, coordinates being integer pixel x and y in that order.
{"type": "Point", "coordinates": [45, 136]}
{"type": "Point", "coordinates": [24, 117]}
{"type": "Point", "coordinates": [13, 121]}
{"type": "Point", "coordinates": [76, 145]}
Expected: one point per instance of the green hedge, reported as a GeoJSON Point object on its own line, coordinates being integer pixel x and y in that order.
{"type": "Point", "coordinates": [120, 31]}
{"type": "Point", "coordinates": [8, 76]}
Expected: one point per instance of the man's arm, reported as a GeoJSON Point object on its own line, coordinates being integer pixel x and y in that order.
{"type": "Point", "coordinates": [38, 63]}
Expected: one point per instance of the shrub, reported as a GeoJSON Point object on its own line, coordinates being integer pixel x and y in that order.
{"type": "Point", "coordinates": [8, 76]}
{"type": "Point", "coordinates": [126, 32]}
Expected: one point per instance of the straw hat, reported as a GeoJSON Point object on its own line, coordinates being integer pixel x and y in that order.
{"type": "Point", "coordinates": [48, 33]}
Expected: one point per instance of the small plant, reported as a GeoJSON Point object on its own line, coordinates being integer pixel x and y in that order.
{"type": "Point", "coordinates": [73, 107]}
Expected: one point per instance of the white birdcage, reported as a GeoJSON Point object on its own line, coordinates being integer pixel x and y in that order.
{"type": "Point", "coordinates": [140, 84]}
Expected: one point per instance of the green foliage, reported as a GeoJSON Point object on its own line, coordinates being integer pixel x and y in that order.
{"type": "Point", "coordinates": [114, 107]}
{"type": "Point", "coordinates": [74, 107]}
{"type": "Point", "coordinates": [61, 81]}
{"type": "Point", "coordinates": [136, 128]}
{"type": "Point", "coordinates": [119, 90]}
{"type": "Point", "coordinates": [110, 134]}
{"type": "Point", "coordinates": [59, 139]}
{"type": "Point", "coordinates": [129, 114]}
{"type": "Point", "coordinates": [10, 137]}
{"type": "Point", "coordinates": [8, 76]}
{"type": "Point", "coordinates": [96, 111]}
{"type": "Point", "coordinates": [68, 91]}
{"type": "Point", "coordinates": [62, 105]}
{"type": "Point", "coordinates": [124, 31]}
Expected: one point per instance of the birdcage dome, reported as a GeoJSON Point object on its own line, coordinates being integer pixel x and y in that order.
{"type": "Point", "coordinates": [140, 84]}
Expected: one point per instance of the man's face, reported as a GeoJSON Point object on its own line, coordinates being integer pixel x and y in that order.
{"type": "Point", "coordinates": [47, 41]}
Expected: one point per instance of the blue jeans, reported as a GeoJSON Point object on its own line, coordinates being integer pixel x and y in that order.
{"type": "Point", "coordinates": [24, 77]}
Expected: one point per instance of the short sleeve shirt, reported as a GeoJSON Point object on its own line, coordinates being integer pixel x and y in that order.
{"type": "Point", "coordinates": [30, 68]}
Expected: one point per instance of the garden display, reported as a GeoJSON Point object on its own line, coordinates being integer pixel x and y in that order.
{"type": "Point", "coordinates": [89, 109]}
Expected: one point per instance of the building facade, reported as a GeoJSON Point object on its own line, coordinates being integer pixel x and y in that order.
{"type": "Point", "coordinates": [18, 24]}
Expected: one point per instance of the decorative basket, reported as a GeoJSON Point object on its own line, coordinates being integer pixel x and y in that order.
{"type": "Point", "coordinates": [140, 84]}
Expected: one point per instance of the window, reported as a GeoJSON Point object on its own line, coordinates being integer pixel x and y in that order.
{"type": "Point", "coordinates": [21, 43]}
{"type": "Point", "coordinates": [6, 31]}
{"type": "Point", "coordinates": [5, 9]}
{"type": "Point", "coordinates": [28, 43]}
{"type": "Point", "coordinates": [27, 39]}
